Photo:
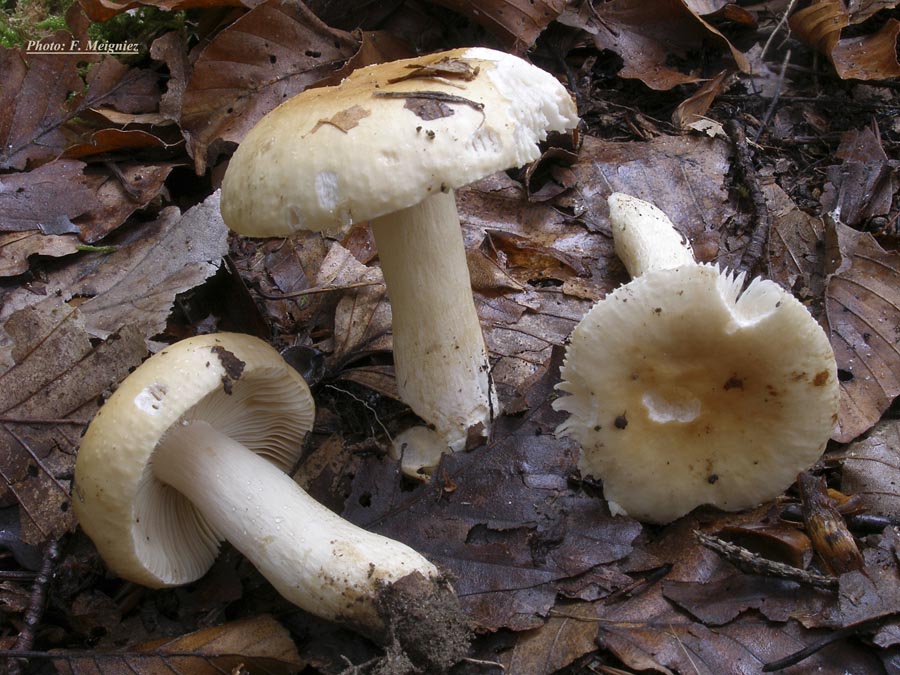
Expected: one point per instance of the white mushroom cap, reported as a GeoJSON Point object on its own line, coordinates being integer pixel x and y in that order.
{"type": "Point", "coordinates": [389, 136]}
{"type": "Point", "coordinates": [684, 391]}
{"type": "Point", "coordinates": [144, 530]}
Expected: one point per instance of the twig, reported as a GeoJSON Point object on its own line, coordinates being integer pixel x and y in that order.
{"type": "Point", "coordinates": [744, 163]}
{"type": "Point", "coordinates": [35, 609]}
{"type": "Point", "coordinates": [781, 22]}
{"type": "Point", "coordinates": [318, 289]}
{"type": "Point", "coordinates": [6, 419]}
{"type": "Point", "coordinates": [776, 96]}
{"type": "Point", "coordinates": [809, 650]}
{"type": "Point", "coordinates": [748, 561]}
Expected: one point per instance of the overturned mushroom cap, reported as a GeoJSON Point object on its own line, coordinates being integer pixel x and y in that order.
{"type": "Point", "coordinates": [145, 530]}
{"type": "Point", "coordinates": [684, 391]}
{"type": "Point", "coordinates": [389, 136]}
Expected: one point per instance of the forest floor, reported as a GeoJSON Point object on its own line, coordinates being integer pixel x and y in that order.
{"type": "Point", "coordinates": [772, 144]}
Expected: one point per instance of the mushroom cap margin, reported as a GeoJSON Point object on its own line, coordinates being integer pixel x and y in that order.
{"type": "Point", "coordinates": [333, 156]}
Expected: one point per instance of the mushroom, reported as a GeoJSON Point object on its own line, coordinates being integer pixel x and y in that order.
{"type": "Point", "coordinates": [390, 144]}
{"type": "Point", "coordinates": [192, 448]}
{"type": "Point", "coordinates": [685, 390]}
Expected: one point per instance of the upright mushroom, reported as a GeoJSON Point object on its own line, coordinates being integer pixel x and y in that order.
{"type": "Point", "coordinates": [683, 389]}
{"type": "Point", "coordinates": [192, 448]}
{"type": "Point", "coordinates": [390, 144]}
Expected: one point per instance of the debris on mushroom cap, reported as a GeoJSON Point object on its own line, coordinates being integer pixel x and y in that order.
{"type": "Point", "coordinates": [144, 530]}
{"type": "Point", "coordinates": [683, 390]}
{"type": "Point", "coordinates": [389, 136]}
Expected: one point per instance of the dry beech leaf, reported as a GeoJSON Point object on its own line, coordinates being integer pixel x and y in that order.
{"type": "Point", "coordinates": [50, 83]}
{"type": "Point", "coordinates": [111, 140]}
{"type": "Point", "coordinates": [66, 196]}
{"type": "Point", "coordinates": [273, 52]}
{"type": "Point", "coordinates": [17, 247]}
{"type": "Point", "coordinates": [871, 469]}
{"type": "Point", "coordinates": [795, 246]}
{"type": "Point", "coordinates": [171, 49]}
{"type": "Point", "coordinates": [863, 185]}
{"type": "Point", "coordinates": [692, 109]}
{"type": "Point", "coordinates": [866, 57]}
{"type": "Point", "coordinates": [553, 646]}
{"type": "Point", "coordinates": [58, 374]}
{"type": "Point", "coordinates": [869, 57]}
{"type": "Point", "coordinates": [137, 284]}
{"type": "Point", "coordinates": [362, 317]}
{"type": "Point", "coordinates": [682, 175]}
{"type": "Point", "coordinates": [648, 631]}
{"type": "Point", "coordinates": [257, 645]}
{"type": "Point", "coordinates": [820, 24]}
{"type": "Point", "coordinates": [649, 36]}
{"type": "Point", "coordinates": [862, 306]}
{"type": "Point", "coordinates": [516, 23]}
{"type": "Point", "coordinates": [48, 198]}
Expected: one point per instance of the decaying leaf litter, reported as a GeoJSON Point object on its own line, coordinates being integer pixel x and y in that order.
{"type": "Point", "coordinates": [111, 247]}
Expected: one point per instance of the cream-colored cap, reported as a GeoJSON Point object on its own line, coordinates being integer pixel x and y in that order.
{"type": "Point", "coordinates": [389, 136]}
{"type": "Point", "coordinates": [684, 391]}
{"type": "Point", "coordinates": [146, 531]}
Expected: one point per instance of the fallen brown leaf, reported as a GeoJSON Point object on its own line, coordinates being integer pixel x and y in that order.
{"type": "Point", "coordinates": [51, 84]}
{"type": "Point", "coordinates": [136, 285]}
{"type": "Point", "coordinates": [651, 38]}
{"type": "Point", "coordinates": [17, 247]}
{"type": "Point", "coordinates": [867, 57]}
{"type": "Point", "coordinates": [553, 646]}
{"type": "Point", "coordinates": [515, 23]}
{"type": "Point", "coordinates": [256, 645]}
{"type": "Point", "coordinates": [58, 374]}
{"type": "Point", "coordinates": [862, 305]}
{"type": "Point", "coordinates": [274, 51]}
{"type": "Point", "coordinates": [871, 469]}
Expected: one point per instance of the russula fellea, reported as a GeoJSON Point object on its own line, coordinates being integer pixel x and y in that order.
{"type": "Point", "coordinates": [192, 448]}
{"type": "Point", "coordinates": [685, 390]}
{"type": "Point", "coordinates": [390, 144]}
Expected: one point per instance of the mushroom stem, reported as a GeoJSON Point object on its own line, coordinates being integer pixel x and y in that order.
{"type": "Point", "coordinates": [644, 237]}
{"type": "Point", "coordinates": [312, 556]}
{"type": "Point", "coordinates": [440, 356]}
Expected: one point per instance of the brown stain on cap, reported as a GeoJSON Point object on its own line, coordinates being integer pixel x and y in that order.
{"type": "Point", "coordinates": [821, 379]}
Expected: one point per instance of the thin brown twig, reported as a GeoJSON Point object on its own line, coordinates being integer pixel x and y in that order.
{"type": "Point", "coordinates": [776, 97]}
{"type": "Point", "coordinates": [744, 164]}
{"type": "Point", "coordinates": [318, 289]}
{"type": "Point", "coordinates": [35, 610]}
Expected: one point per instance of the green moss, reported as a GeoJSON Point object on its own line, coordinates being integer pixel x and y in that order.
{"type": "Point", "coordinates": [140, 26]}
{"type": "Point", "coordinates": [24, 20]}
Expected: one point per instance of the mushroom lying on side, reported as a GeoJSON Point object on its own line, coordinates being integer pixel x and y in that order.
{"type": "Point", "coordinates": [192, 448]}
{"type": "Point", "coordinates": [685, 390]}
{"type": "Point", "coordinates": [390, 144]}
